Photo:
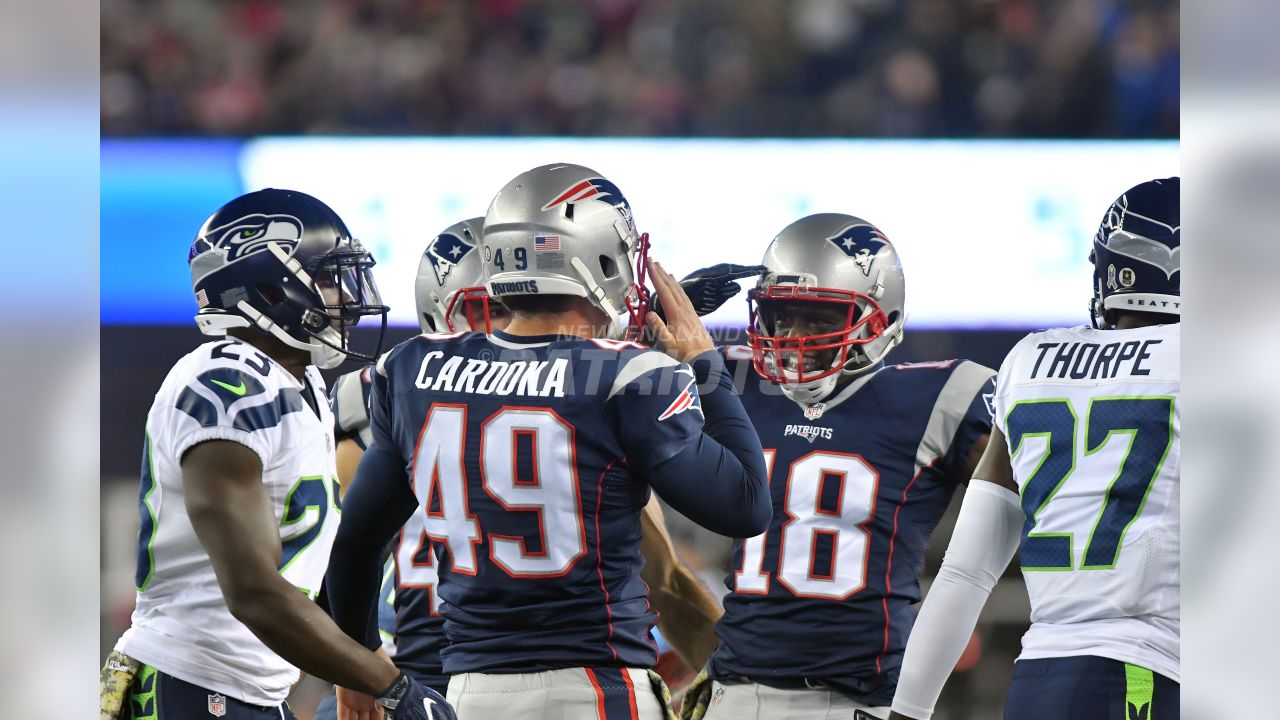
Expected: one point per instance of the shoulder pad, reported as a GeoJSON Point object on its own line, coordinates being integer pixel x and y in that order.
{"type": "Point", "coordinates": [926, 365]}
{"type": "Point", "coordinates": [638, 365]}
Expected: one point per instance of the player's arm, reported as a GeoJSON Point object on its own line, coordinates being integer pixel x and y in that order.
{"type": "Point", "coordinates": [376, 506]}
{"type": "Point", "coordinates": [349, 453]}
{"type": "Point", "coordinates": [687, 612]}
{"type": "Point", "coordinates": [986, 536]}
{"type": "Point", "coordinates": [718, 477]}
{"type": "Point", "coordinates": [975, 456]}
{"type": "Point", "coordinates": [349, 403]}
{"type": "Point", "coordinates": [232, 516]}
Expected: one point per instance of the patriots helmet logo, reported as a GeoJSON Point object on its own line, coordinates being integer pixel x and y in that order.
{"type": "Point", "coordinates": [249, 234]}
{"type": "Point", "coordinates": [860, 242]}
{"type": "Point", "coordinates": [445, 252]}
{"type": "Point", "coordinates": [595, 188]}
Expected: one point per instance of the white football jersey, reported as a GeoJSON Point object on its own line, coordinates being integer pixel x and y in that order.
{"type": "Point", "coordinates": [1092, 419]}
{"type": "Point", "coordinates": [228, 390]}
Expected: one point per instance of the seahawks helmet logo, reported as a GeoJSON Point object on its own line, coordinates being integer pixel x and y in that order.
{"type": "Point", "coordinates": [251, 233]}
{"type": "Point", "coordinates": [445, 252]}
{"type": "Point", "coordinates": [1130, 234]}
{"type": "Point", "coordinates": [860, 242]}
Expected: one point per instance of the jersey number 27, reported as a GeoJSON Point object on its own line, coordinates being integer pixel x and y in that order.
{"type": "Point", "coordinates": [1148, 423]}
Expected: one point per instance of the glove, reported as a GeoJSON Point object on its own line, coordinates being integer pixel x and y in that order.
{"type": "Point", "coordinates": [113, 685]}
{"type": "Point", "coordinates": [408, 699]}
{"type": "Point", "coordinates": [697, 697]}
{"type": "Point", "coordinates": [710, 287]}
{"type": "Point", "coordinates": [664, 695]}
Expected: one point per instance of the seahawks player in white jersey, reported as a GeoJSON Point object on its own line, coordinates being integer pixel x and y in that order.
{"type": "Point", "coordinates": [1082, 474]}
{"type": "Point", "coordinates": [238, 477]}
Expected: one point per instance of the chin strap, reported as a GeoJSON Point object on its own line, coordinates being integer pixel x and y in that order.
{"type": "Point", "coordinates": [323, 355]}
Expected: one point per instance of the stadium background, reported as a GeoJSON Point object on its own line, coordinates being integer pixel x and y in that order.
{"type": "Point", "coordinates": [1049, 109]}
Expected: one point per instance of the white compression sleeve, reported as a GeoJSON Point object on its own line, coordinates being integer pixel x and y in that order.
{"type": "Point", "coordinates": [986, 536]}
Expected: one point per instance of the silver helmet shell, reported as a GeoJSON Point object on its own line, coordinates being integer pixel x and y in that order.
{"type": "Point", "coordinates": [840, 261]}
{"type": "Point", "coordinates": [566, 230]}
{"type": "Point", "coordinates": [449, 289]}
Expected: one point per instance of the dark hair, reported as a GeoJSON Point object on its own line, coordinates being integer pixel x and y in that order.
{"type": "Point", "coordinates": [538, 304]}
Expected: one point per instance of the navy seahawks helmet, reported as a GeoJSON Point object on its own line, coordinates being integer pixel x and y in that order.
{"type": "Point", "coordinates": [285, 263]}
{"type": "Point", "coordinates": [1137, 254]}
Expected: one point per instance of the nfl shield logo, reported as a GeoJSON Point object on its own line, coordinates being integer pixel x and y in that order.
{"type": "Point", "coordinates": [813, 412]}
{"type": "Point", "coordinates": [217, 704]}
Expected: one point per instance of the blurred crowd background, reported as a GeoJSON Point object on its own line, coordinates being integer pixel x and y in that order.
{"type": "Point", "coordinates": [800, 68]}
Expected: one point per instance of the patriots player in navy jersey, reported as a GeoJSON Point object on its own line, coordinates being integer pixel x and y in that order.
{"type": "Point", "coordinates": [863, 458]}
{"type": "Point", "coordinates": [449, 296]}
{"type": "Point", "coordinates": [529, 454]}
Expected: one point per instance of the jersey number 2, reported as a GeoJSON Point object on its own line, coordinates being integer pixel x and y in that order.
{"type": "Point", "coordinates": [840, 526]}
{"type": "Point", "coordinates": [439, 478]}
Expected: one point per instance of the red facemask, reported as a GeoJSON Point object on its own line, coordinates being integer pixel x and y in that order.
{"type": "Point", "coordinates": [770, 353]}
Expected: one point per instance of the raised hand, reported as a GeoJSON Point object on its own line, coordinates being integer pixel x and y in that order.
{"type": "Point", "coordinates": [682, 334]}
{"type": "Point", "coordinates": [710, 287]}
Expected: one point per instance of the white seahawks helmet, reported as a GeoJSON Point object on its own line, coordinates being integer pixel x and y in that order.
{"type": "Point", "coordinates": [836, 261]}
{"type": "Point", "coordinates": [449, 290]}
{"type": "Point", "coordinates": [565, 230]}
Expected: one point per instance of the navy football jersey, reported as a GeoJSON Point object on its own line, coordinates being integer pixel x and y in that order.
{"type": "Point", "coordinates": [415, 624]}
{"type": "Point", "coordinates": [525, 454]}
{"type": "Point", "coordinates": [858, 484]}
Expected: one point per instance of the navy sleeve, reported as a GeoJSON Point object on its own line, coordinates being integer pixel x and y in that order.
{"type": "Point", "coordinates": [975, 423]}
{"type": "Point", "coordinates": [374, 508]}
{"type": "Point", "coordinates": [713, 473]}
{"type": "Point", "coordinates": [379, 406]}
{"type": "Point", "coordinates": [659, 407]}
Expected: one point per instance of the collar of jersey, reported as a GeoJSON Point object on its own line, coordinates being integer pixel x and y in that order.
{"type": "Point", "coordinates": [504, 338]}
{"type": "Point", "coordinates": [314, 379]}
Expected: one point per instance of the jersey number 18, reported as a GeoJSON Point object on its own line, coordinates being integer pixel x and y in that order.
{"type": "Point", "coordinates": [842, 524]}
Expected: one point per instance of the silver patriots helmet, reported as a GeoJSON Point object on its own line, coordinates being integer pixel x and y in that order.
{"type": "Point", "coordinates": [449, 289]}
{"type": "Point", "coordinates": [566, 230]}
{"type": "Point", "coordinates": [845, 266]}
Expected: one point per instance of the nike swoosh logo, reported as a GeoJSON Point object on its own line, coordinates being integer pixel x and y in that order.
{"type": "Point", "coordinates": [237, 389]}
